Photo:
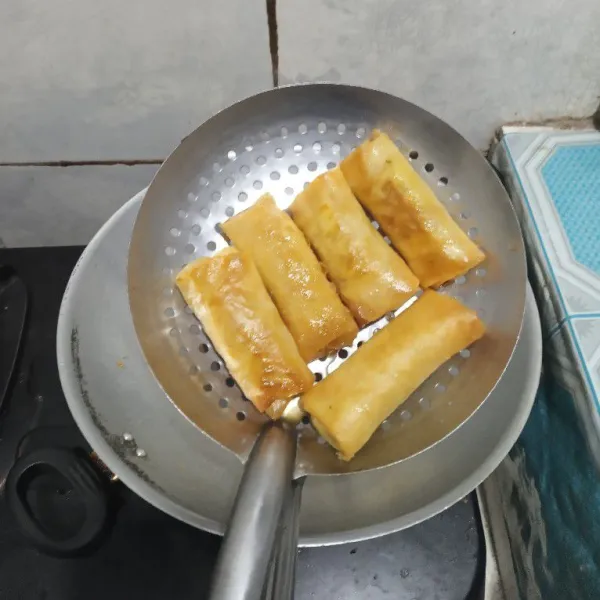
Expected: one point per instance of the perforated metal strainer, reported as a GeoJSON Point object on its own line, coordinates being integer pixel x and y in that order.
{"type": "Point", "coordinates": [277, 142]}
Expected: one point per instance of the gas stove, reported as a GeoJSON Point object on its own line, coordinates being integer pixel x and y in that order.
{"type": "Point", "coordinates": [141, 552]}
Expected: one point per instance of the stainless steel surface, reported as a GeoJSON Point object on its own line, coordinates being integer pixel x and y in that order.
{"type": "Point", "coordinates": [110, 390]}
{"type": "Point", "coordinates": [244, 556]}
{"type": "Point", "coordinates": [283, 581]}
{"type": "Point", "coordinates": [276, 142]}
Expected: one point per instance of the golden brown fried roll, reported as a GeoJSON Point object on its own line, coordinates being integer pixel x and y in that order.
{"type": "Point", "coordinates": [371, 278]}
{"type": "Point", "coordinates": [350, 404]}
{"type": "Point", "coordinates": [228, 296]}
{"type": "Point", "coordinates": [417, 223]}
{"type": "Point", "coordinates": [307, 301]}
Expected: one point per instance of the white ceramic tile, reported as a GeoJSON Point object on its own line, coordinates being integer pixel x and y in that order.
{"type": "Point", "coordinates": [54, 206]}
{"type": "Point", "coordinates": [82, 79]}
{"type": "Point", "coordinates": [475, 64]}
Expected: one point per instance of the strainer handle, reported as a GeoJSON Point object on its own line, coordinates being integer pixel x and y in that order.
{"type": "Point", "coordinates": [282, 581]}
{"type": "Point", "coordinates": [244, 557]}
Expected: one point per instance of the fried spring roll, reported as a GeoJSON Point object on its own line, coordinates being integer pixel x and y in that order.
{"type": "Point", "coordinates": [371, 278]}
{"type": "Point", "coordinates": [417, 223]}
{"type": "Point", "coordinates": [229, 298]}
{"type": "Point", "coordinates": [350, 404]}
{"type": "Point", "coordinates": [307, 301]}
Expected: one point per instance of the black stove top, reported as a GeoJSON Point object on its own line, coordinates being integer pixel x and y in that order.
{"type": "Point", "coordinates": [144, 553]}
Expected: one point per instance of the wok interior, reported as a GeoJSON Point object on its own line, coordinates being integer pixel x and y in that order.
{"type": "Point", "coordinates": [276, 142]}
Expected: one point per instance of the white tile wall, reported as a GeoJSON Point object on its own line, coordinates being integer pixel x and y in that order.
{"type": "Point", "coordinates": [475, 63]}
{"type": "Point", "coordinates": [95, 79]}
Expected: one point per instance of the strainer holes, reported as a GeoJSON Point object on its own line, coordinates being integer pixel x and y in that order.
{"type": "Point", "coordinates": [293, 169]}
{"type": "Point", "coordinates": [331, 165]}
{"type": "Point", "coordinates": [173, 332]}
{"type": "Point", "coordinates": [460, 280]}
{"type": "Point", "coordinates": [203, 181]}
{"type": "Point", "coordinates": [453, 370]}
{"type": "Point", "coordinates": [229, 181]}
{"type": "Point", "coordinates": [302, 128]}
{"type": "Point", "coordinates": [215, 196]}
{"type": "Point", "coordinates": [341, 129]}
{"type": "Point", "coordinates": [194, 329]}
{"type": "Point", "coordinates": [318, 377]}
{"type": "Point", "coordinates": [249, 148]}
{"type": "Point", "coordinates": [278, 152]}
{"type": "Point", "coordinates": [231, 155]}
{"type": "Point", "coordinates": [169, 312]}
{"type": "Point", "coordinates": [317, 147]}
{"type": "Point", "coordinates": [216, 167]}
{"type": "Point", "coordinates": [193, 370]}
{"type": "Point", "coordinates": [190, 248]}
{"type": "Point", "coordinates": [306, 420]}
{"type": "Point", "coordinates": [306, 184]}
{"type": "Point", "coordinates": [211, 246]}
{"type": "Point", "coordinates": [275, 176]}
{"type": "Point", "coordinates": [170, 251]}
{"type": "Point", "coordinates": [207, 387]}
{"type": "Point", "coordinates": [240, 416]}
{"type": "Point", "coordinates": [229, 211]}
{"type": "Point", "coordinates": [323, 358]}
{"type": "Point", "coordinates": [244, 169]}
{"type": "Point", "coordinates": [321, 127]}
{"type": "Point", "coordinates": [455, 197]}
{"type": "Point", "coordinates": [440, 388]}
{"type": "Point", "coordinates": [413, 155]}
{"type": "Point", "coordinates": [196, 229]}
{"type": "Point", "coordinates": [312, 166]}
{"type": "Point", "coordinates": [481, 272]}
{"type": "Point", "coordinates": [289, 191]}
{"type": "Point", "coordinates": [175, 232]}
{"type": "Point", "coordinates": [192, 198]}
{"type": "Point", "coordinates": [203, 348]}
{"type": "Point", "coordinates": [297, 148]}
{"type": "Point", "coordinates": [428, 167]}
{"type": "Point", "coordinates": [223, 403]}
{"type": "Point", "coordinates": [443, 181]}
{"type": "Point", "coordinates": [473, 232]}
{"type": "Point", "coordinates": [385, 425]}
{"type": "Point", "coordinates": [375, 224]}
{"type": "Point", "coordinates": [257, 185]}
{"type": "Point", "coordinates": [465, 353]}
{"type": "Point", "coordinates": [406, 415]}
{"type": "Point", "coordinates": [217, 227]}
{"type": "Point", "coordinates": [183, 351]}
{"type": "Point", "coordinates": [359, 344]}
{"type": "Point", "coordinates": [181, 214]}
{"type": "Point", "coordinates": [265, 137]}
{"type": "Point", "coordinates": [215, 366]}
{"type": "Point", "coordinates": [229, 382]}
{"type": "Point", "coordinates": [205, 211]}
{"type": "Point", "coordinates": [261, 160]}
{"type": "Point", "coordinates": [343, 353]}
{"type": "Point", "coordinates": [424, 403]}
{"type": "Point", "coordinates": [463, 216]}
{"type": "Point", "coordinates": [188, 310]}
{"type": "Point", "coordinates": [335, 148]}
{"type": "Point", "coordinates": [242, 196]}
{"type": "Point", "coordinates": [360, 132]}
{"type": "Point", "coordinates": [284, 132]}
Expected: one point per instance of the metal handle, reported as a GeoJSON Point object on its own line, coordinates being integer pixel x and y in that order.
{"type": "Point", "coordinates": [282, 581]}
{"type": "Point", "coordinates": [244, 558]}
